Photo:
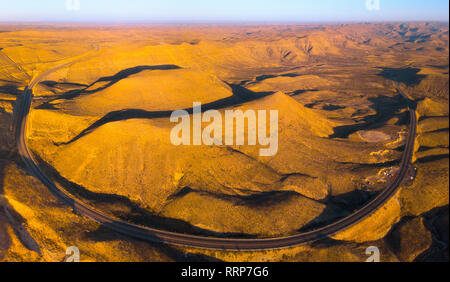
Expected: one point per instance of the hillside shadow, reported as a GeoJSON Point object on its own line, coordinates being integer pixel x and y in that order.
{"type": "Point", "coordinates": [338, 207]}
{"type": "Point", "coordinates": [263, 199]}
{"type": "Point", "coordinates": [385, 109]}
{"type": "Point", "coordinates": [408, 76]}
{"type": "Point", "coordinates": [240, 95]}
{"type": "Point", "coordinates": [257, 200]}
{"type": "Point", "coordinates": [135, 70]}
{"type": "Point", "coordinates": [51, 83]}
{"type": "Point", "coordinates": [301, 91]}
{"type": "Point", "coordinates": [422, 118]}
{"type": "Point", "coordinates": [11, 89]}
{"type": "Point", "coordinates": [432, 158]}
{"type": "Point", "coordinates": [111, 80]}
{"type": "Point", "coordinates": [268, 76]}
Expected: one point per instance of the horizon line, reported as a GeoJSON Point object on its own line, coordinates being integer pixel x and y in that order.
{"type": "Point", "coordinates": [225, 22]}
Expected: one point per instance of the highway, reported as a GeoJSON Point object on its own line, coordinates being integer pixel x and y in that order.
{"type": "Point", "coordinates": [161, 236]}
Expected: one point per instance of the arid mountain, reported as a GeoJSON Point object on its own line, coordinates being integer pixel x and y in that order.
{"type": "Point", "coordinates": [100, 127]}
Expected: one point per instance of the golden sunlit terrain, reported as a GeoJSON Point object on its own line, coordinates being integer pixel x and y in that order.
{"type": "Point", "coordinates": [99, 127]}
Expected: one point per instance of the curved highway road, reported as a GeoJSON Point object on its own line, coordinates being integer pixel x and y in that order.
{"type": "Point", "coordinates": [155, 235]}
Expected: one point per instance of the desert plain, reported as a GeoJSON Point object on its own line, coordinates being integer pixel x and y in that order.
{"type": "Point", "coordinates": [99, 127]}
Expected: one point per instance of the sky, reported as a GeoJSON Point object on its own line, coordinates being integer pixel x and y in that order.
{"type": "Point", "coordinates": [214, 11]}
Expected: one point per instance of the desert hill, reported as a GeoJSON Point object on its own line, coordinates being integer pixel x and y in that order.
{"type": "Point", "coordinates": [100, 128]}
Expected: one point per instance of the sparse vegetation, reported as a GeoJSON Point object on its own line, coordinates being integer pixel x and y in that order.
{"type": "Point", "coordinates": [100, 128]}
